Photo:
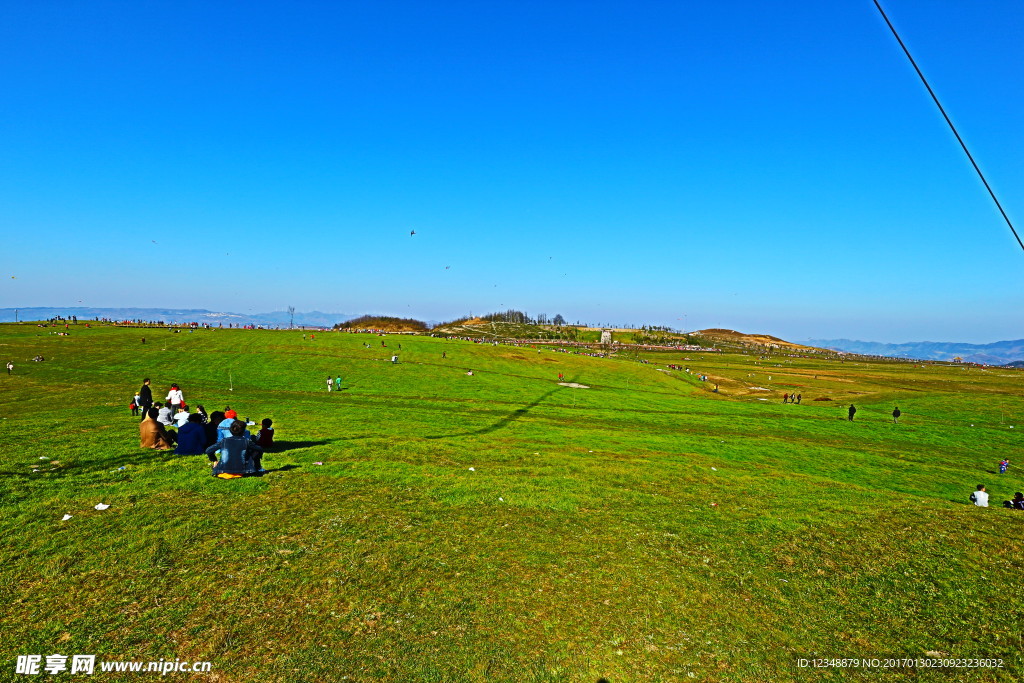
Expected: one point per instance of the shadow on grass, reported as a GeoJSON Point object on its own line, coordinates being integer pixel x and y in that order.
{"type": "Point", "coordinates": [282, 446]}
{"type": "Point", "coordinates": [283, 468]}
{"type": "Point", "coordinates": [141, 457]}
{"type": "Point", "coordinates": [146, 457]}
{"type": "Point", "coordinates": [503, 422]}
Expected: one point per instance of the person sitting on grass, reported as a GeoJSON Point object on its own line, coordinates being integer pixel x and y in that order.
{"type": "Point", "coordinates": [224, 426]}
{"type": "Point", "coordinates": [192, 437]}
{"type": "Point", "coordinates": [235, 456]}
{"type": "Point", "coordinates": [980, 497]}
{"type": "Point", "coordinates": [153, 435]}
{"type": "Point", "coordinates": [1017, 503]}
{"type": "Point", "coordinates": [181, 417]}
{"type": "Point", "coordinates": [212, 436]}
{"type": "Point", "coordinates": [164, 414]}
{"type": "Point", "coordinates": [265, 437]}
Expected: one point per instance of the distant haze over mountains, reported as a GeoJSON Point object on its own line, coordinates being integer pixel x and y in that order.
{"type": "Point", "coordinates": [996, 353]}
{"type": "Point", "coordinates": [178, 315]}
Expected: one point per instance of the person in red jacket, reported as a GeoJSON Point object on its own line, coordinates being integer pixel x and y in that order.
{"type": "Point", "coordinates": [265, 437]}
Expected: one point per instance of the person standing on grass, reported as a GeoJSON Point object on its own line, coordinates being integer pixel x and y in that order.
{"type": "Point", "coordinates": [175, 398]}
{"type": "Point", "coordinates": [145, 397]}
{"type": "Point", "coordinates": [851, 412]}
{"type": "Point", "coordinates": [785, 398]}
{"type": "Point", "coordinates": [980, 497]}
{"type": "Point", "coordinates": [10, 367]}
{"type": "Point", "coordinates": [337, 383]}
{"type": "Point", "coordinates": [896, 415]}
{"type": "Point", "coordinates": [1004, 464]}
{"type": "Point", "coordinates": [799, 397]}
{"type": "Point", "coordinates": [330, 383]}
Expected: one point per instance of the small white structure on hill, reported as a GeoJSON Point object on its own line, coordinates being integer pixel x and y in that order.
{"type": "Point", "coordinates": [606, 336]}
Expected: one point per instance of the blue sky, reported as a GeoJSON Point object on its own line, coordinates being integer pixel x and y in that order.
{"type": "Point", "coordinates": [768, 167]}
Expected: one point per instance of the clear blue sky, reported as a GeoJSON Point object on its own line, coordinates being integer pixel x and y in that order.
{"type": "Point", "coordinates": [769, 167]}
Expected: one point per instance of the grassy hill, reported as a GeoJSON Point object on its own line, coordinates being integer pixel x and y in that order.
{"type": "Point", "coordinates": [383, 323]}
{"type": "Point", "coordinates": [500, 330]}
{"type": "Point", "coordinates": [424, 524]}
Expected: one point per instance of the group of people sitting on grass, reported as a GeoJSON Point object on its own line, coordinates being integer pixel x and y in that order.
{"type": "Point", "coordinates": [980, 498]}
{"type": "Point", "coordinates": [221, 435]}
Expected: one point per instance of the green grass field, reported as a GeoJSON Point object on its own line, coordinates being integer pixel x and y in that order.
{"type": "Point", "coordinates": [500, 527]}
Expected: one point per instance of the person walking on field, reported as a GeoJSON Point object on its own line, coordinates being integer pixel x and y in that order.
{"type": "Point", "coordinates": [851, 412]}
{"type": "Point", "coordinates": [785, 398]}
{"type": "Point", "coordinates": [330, 382]}
{"type": "Point", "coordinates": [896, 415]}
{"type": "Point", "coordinates": [10, 367]}
{"type": "Point", "coordinates": [799, 397]}
{"type": "Point", "coordinates": [337, 383]}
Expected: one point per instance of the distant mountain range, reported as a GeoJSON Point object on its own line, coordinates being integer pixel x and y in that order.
{"type": "Point", "coordinates": [179, 315]}
{"type": "Point", "coordinates": [996, 353]}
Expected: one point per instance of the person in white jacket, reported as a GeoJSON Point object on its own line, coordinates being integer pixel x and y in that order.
{"type": "Point", "coordinates": [175, 398]}
{"type": "Point", "coordinates": [980, 497]}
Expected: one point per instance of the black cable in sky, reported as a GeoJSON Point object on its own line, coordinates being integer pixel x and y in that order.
{"type": "Point", "coordinates": [951, 126]}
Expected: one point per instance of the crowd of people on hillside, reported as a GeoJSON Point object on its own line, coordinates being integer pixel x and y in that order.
{"type": "Point", "coordinates": [221, 435]}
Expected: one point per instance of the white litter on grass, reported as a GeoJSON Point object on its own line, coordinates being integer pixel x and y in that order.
{"type": "Point", "coordinates": [101, 506]}
{"type": "Point", "coordinates": [715, 469]}
{"type": "Point", "coordinates": [43, 457]}
{"type": "Point", "coordinates": [472, 469]}
{"type": "Point", "coordinates": [318, 463]}
{"type": "Point", "coordinates": [501, 499]}
{"type": "Point", "coordinates": [65, 518]}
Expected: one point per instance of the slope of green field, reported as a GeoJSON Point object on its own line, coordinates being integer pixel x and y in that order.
{"type": "Point", "coordinates": [500, 526]}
